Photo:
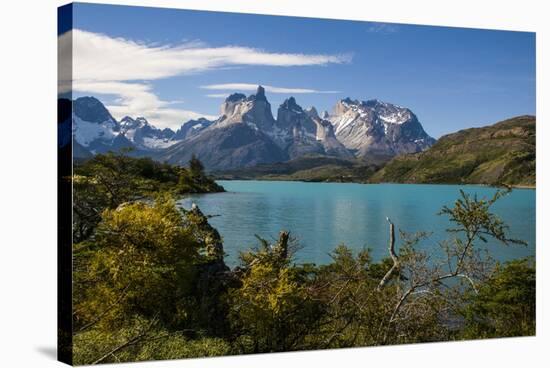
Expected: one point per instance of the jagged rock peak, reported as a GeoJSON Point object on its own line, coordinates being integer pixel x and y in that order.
{"type": "Point", "coordinates": [129, 123]}
{"type": "Point", "coordinates": [290, 104]}
{"type": "Point", "coordinates": [260, 92]}
{"type": "Point", "coordinates": [235, 97]}
{"type": "Point", "coordinates": [91, 109]}
{"type": "Point", "coordinates": [231, 102]}
{"type": "Point", "coordinates": [374, 102]}
{"type": "Point", "coordinates": [312, 112]}
{"type": "Point", "coordinates": [254, 110]}
{"type": "Point", "coordinates": [349, 101]}
{"type": "Point", "coordinates": [142, 120]}
{"type": "Point", "coordinates": [259, 96]}
{"type": "Point", "coordinates": [126, 120]}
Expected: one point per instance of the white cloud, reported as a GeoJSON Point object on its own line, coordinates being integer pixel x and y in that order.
{"type": "Point", "coordinates": [98, 56]}
{"type": "Point", "coordinates": [253, 87]}
{"type": "Point", "coordinates": [138, 99]}
{"type": "Point", "coordinates": [116, 66]}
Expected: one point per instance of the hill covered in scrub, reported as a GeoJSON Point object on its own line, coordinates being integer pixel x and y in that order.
{"type": "Point", "coordinates": [499, 154]}
{"type": "Point", "coordinates": [309, 168]}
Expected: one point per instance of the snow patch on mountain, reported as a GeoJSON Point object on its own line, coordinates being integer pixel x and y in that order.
{"type": "Point", "coordinates": [86, 132]}
{"type": "Point", "coordinates": [157, 143]}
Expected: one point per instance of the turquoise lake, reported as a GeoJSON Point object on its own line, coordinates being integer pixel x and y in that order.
{"type": "Point", "coordinates": [322, 215]}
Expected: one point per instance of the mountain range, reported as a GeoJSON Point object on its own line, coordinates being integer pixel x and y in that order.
{"type": "Point", "coordinates": [247, 134]}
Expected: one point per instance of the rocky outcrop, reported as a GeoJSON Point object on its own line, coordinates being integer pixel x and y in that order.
{"type": "Point", "coordinates": [253, 110]}
{"type": "Point", "coordinates": [303, 132]}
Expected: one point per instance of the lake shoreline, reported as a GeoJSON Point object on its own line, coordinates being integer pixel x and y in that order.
{"type": "Point", "coordinates": [264, 179]}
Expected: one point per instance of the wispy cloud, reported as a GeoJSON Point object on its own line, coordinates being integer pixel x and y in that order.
{"type": "Point", "coordinates": [231, 87]}
{"type": "Point", "coordinates": [98, 56]}
{"type": "Point", "coordinates": [383, 28]}
{"type": "Point", "coordinates": [122, 67]}
{"type": "Point", "coordinates": [138, 99]}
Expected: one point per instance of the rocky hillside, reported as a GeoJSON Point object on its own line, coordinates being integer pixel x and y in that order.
{"type": "Point", "coordinates": [225, 147]}
{"type": "Point", "coordinates": [499, 154]}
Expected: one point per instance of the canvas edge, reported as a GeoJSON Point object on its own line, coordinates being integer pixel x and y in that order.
{"type": "Point", "coordinates": [64, 189]}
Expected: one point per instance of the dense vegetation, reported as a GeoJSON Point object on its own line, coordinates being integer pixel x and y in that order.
{"type": "Point", "coordinates": [499, 154]}
{"type": "Point", "coordinates": [150, 280]}
{"type": "Point", "coordinates": [108, 180]}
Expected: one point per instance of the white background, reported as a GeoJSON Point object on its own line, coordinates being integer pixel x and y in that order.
{"type": "Point", "coordinates": [28, 180]}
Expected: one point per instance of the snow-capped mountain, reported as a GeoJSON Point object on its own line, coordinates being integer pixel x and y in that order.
{"type": "Point", "coordinates": [94, 128]}
{"type": "Point", "coordinates": [191, 128]}
{"type": "Point", "coordinates": [374, 127]}
{"type": "Point", "coordinates": [144, 135]}
{"type": "Point", "coordinates": [247, 134]}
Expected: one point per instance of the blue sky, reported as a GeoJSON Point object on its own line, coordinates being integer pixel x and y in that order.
{"type": "Point", "coordinates": [452, 78]}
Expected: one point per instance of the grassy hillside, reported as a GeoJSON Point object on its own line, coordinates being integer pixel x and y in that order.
{"type": "Point", "coordinates": [500, 154]}
{"type": "Point", "coordinates": [309, 168]}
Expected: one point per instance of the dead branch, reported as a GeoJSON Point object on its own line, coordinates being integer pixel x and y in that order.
{"type": "Point", "coordinates": [282, 244]}
{"type": "Point", "coordinates": [393, 256]}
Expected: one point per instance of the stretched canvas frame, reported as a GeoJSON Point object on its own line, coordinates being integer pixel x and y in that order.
{"type": "Point", "coordinates": [243, 295]}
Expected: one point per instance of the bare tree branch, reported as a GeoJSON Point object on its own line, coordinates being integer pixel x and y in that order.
{"type": "Point", "coordinates": [393, 256]}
